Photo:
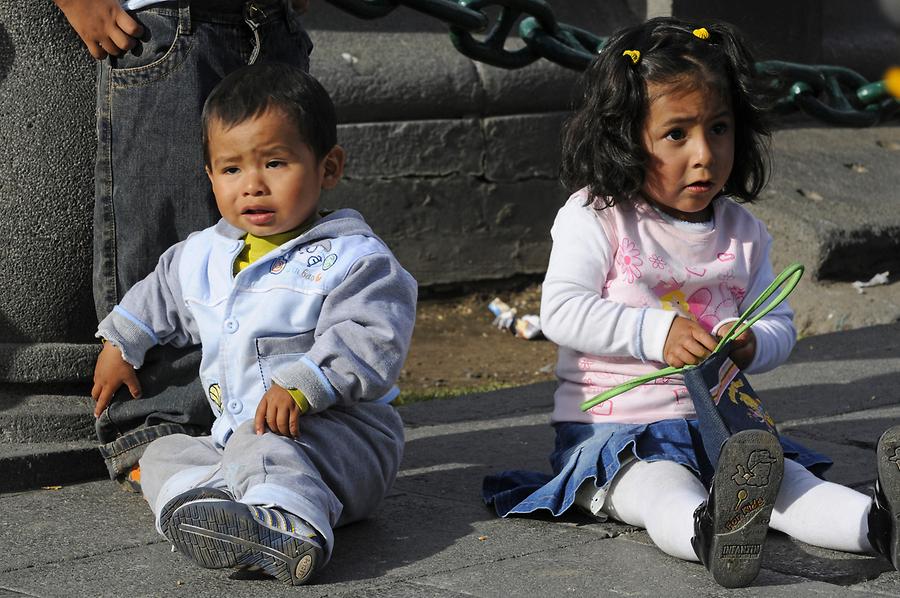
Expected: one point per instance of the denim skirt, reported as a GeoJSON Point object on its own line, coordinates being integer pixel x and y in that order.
{"type": "Point", "coordinates": [597, 451]}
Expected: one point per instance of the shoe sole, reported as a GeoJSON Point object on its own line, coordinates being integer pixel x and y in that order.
{"type": "Point", "coordinates": [747, 479]}
{"type": "Point", "coordinates": [193, 494]}
{"type": "Point", "coordinates": [889, 480]}
{"type": "Point", "coordinates": [218, 535]}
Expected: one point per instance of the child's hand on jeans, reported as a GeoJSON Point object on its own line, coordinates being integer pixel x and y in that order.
{"type": "Point", "coordinates": [743, 348]}
{"type": "Point", "coordinates": [279, 412]}
{"type": "Point", "coordinates": [102, 25]}
{"type": "Point", "coordinates": [688, 343]}
{"type": "Point", "coordinates": [110, 373]}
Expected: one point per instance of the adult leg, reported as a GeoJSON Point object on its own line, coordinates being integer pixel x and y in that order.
{"type": "Point", "coordinates": [151, 189]}
{"type": "Point", "coordinates": [151, 192]}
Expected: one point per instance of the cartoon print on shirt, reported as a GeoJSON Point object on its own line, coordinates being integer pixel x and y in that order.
{"type": "Point", "coordinates": [737, 293]}
{"type": "Point", "coordinates": [323, 245]}
{"type": "Point", "coordinates": [629, 259]}
{"type": "Point", "coordinates": [672, 298]}
{"type": "Point", "coordinates": [278, 265]}
{"type": "Point", "coordinates": [604, 408]}
{"type": "Point", "coordinates": [699, 306]}
{"type": "Point", "coordinates": [657, 262]}
{"type": "Point", "coordinates": [215, 395]}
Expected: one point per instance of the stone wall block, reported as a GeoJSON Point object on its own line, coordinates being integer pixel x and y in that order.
{"type": "Point", "coordinates": [457, 229]}
{"type": "Point", "coordinates": [378, 76]}
{"type": "Point", "coordinates": [523, 146]}
{"type": "Point", "coordinates": [423, 148]}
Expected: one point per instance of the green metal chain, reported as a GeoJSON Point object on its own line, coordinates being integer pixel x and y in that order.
{"type": "Point", "coordinates": [834, 95]}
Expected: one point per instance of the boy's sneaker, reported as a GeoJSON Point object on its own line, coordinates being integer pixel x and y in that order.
{"type": "Point", "coordinates": [884, 515]}
{"type": "Point", "coordinates": [730, 528]}
{"type": "Point", "coordinates": [165, 516]}
{"type": "Point", "coordinates": [223, 533]}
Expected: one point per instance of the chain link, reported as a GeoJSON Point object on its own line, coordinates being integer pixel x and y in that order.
{"type": "Point", "coordinates": [834, 95]}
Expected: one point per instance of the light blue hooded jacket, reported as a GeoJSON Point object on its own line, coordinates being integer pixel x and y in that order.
{"type": "Point", "coordinates": [330, 313]}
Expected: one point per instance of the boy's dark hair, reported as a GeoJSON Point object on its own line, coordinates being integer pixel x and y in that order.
{"type": "Point", "coordinates": [602, 141]}
{"type": "Point", "coordinates": [249, 91]}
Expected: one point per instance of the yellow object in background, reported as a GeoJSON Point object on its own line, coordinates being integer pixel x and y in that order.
{"type": "Point", "coordinates": [892, 81]}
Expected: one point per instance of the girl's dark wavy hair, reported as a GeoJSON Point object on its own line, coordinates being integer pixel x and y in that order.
{"type": "Point", "coordinates": [602, 147]}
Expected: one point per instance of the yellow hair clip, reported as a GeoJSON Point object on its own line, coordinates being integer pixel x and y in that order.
{"type": "Point", "coordinates": [702, 33]}
{"type": "Point", "coordinates": [892, 81]}
{"type": "Point", "coordinates": [634, 55]}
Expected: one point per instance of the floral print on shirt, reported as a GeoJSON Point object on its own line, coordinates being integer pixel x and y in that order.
{"type": "Point", "coordinates": [629, 260]}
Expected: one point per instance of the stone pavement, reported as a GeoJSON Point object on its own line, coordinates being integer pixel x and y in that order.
{"type": "Point", "coordinates": [433, 537]}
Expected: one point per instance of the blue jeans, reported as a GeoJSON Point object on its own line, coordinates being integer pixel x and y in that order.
{"type": "Point", "coordinates": [151, 190]}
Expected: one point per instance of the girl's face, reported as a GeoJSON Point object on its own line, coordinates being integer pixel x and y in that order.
{"type": "Point", "coordinates": [689, 139]}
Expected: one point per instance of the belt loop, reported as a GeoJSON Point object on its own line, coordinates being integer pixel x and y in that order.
{"type": "Point", "coordinates": [184, 17]}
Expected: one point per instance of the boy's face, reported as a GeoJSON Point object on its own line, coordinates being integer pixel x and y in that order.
{"type": "Point", "coordinates": [265, 177]}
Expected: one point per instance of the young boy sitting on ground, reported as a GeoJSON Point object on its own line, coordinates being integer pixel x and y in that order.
{"type": "Point", "coordinates": [304, 319]}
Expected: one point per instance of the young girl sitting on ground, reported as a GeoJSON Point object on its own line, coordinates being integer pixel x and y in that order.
{"type": "Point", "coordinates": [652, 259]}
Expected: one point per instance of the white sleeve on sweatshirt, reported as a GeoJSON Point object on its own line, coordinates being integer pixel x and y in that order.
{"type": "Point", "coordinates": [573, 313]}
{"type": "Point", "coordinates": [775, 333]}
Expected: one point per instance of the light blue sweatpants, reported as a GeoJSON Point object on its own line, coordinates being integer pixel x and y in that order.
{"type": "Point", "coordinates": [336, 472]}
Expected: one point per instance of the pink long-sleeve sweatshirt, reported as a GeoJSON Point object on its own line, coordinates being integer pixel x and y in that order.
{"type": "Point", "coordinates": [618, 277]}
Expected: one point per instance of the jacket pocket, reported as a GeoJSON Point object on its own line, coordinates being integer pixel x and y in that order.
{"type": "Point", "coordinates": [273, 352]}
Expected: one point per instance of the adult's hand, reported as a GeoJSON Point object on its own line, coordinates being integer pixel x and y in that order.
{"type": "Point", "coordinates": [103, 26]}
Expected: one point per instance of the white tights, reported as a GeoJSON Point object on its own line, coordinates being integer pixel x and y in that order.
{"type": "Point", "coordinates": [662, 496]}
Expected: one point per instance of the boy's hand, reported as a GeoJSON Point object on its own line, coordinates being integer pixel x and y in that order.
{"type": "Point", "coordinates": [102, 25]}
{"type": "Point", "coordinates": [110, 373]}
{"type": "Point", "coordinates": [687, 343]}
{"type": "Point", "coordinates": [300, 6]}
{"type": "Point", "coordinates": [279, 412]}
{"type": "Point", "coordinates": [743, 348]}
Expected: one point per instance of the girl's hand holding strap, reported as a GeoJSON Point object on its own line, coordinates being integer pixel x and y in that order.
{"type": "Point", "coordinates": [786, 281]}
{"type": "Point", "coordinates": [687, 343]}
{"type": "Point", "coordinates": [743, 346]}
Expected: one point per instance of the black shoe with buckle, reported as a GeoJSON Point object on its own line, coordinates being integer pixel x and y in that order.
{"type": "Point", "coordinates": [730, 528]}
{"type": "Point", "coordinates": [884, 516]}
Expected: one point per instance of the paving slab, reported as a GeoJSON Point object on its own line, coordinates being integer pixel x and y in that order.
{"type": "Point", "coordinates": [433, 536]}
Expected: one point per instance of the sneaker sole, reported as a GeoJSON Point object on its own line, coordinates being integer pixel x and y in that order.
{"type": "Point", "coordinates": [889, 480]}
{"type": "Point", "coordinates": [218, 535]}
{"type": "Point", "coordinates": [751, 466]}
{"type": "Point", "coordinates": [193, 494]}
